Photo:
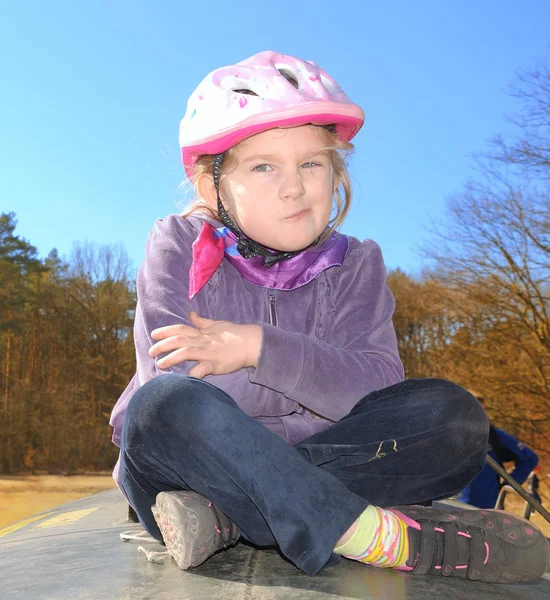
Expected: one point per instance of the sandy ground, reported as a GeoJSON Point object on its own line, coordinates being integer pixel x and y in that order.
{"type": "Point", "coordinates": [26, 495]}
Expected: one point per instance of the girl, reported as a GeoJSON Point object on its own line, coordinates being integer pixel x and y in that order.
{"type": "Point", "coordinates": [281, 414]}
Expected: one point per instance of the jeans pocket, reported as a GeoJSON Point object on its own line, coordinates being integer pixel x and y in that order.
{"type": "Point", "coordinates": [347, 455]}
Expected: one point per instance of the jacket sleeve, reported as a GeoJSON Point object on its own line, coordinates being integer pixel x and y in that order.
{"type": "Point", "coordinates": [162, 291]}
{"type": "Point", "coordinates": [163, 299]}
{"type": "Point", "coordinates": [526, 460]}
{"type": "Point", "coordinates": [358, 355]}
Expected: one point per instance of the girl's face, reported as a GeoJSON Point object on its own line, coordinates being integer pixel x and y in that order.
{"type": "Point", "coordinates": [280, 191]}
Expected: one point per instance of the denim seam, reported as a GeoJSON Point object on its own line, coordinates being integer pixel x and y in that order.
{"type": "Point", "coordinates": [457, 468]}
{"type": "Point", "coordinates": [129, 474]}
{"type": "Point", "coordinates": [400, 385]}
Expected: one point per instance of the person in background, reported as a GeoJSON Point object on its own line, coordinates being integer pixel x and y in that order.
{"type": "Point", "coordinates": [504, 448]}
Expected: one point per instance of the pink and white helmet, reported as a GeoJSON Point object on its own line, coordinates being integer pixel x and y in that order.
{"type": "Point", "coordinates": [264, 91]}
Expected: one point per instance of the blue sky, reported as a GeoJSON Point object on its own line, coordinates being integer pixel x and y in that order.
{"type": "Point", "coordinates": [92, 94]}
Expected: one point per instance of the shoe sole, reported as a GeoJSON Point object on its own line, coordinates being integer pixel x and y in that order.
{"type": "Point", "coordinates": [191, 528]}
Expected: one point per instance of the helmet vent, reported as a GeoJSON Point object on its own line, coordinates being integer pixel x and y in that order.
{"type": "Point", "coordinates": [237, 85]}
{"type": "Point", "coordinates": [247, 92]}
{"type": "Point", "coordinates": [289, 75]}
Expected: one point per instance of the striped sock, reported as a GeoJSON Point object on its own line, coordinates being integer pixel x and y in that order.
{"type": "Point", "coordinates": [380, 539]}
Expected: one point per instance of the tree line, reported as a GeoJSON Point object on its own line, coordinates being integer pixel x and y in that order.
{"type": "Point", "coordinates": [478, 314]}
{"type": "Point", "coordinates": [66, 353]}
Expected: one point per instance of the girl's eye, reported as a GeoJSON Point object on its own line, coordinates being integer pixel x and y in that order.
{"type": "Point", "coordinates": [261, 169]}
{"type": "Point", "coordinates": [264, 168]}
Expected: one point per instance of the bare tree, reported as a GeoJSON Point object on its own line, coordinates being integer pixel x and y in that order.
{"type": "Point", "coordinates": [491, 253]}
{"type": "Point", "coordinates": [425, 323]}
{"type": "Point", "coordinates": [530, 147]}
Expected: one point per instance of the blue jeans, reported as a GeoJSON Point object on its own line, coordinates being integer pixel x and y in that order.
{"type": "Point", "coordinates": [413, 442]}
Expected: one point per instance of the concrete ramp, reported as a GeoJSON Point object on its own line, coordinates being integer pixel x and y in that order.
{"type": "Point", "coordinates": [74, 552]}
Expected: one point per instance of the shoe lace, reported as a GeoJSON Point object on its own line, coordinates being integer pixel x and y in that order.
{"type": "Point", "coordinates": [155, 556]}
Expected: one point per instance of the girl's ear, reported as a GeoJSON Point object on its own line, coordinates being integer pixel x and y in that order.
{"type": "Point", "coordinates": [207, 191]}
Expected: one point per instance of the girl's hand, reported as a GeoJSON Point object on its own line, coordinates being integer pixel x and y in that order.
{"type": "Point", "coordinates": [219, 347]}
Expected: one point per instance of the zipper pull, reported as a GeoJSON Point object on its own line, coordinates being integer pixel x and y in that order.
{"type": "Point", "coordinates": [273, 310]}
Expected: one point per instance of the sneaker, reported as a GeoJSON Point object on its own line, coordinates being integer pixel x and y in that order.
{"type": "Point", "coordinates": [192, 527]}
{"type": "Point", "coordinates": [492, 546]}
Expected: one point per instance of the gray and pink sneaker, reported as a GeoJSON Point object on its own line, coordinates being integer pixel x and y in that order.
{"type": "Point", "coordinates": [492, 546]}
{"type": "Point", "coordinates": [192, 527]}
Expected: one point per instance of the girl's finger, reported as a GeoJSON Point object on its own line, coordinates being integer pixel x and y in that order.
{"type": "Point", "coordinates": [171, 330]}
{"type": "Point", "coordinates": [179, 356]}
{"type": "Point", "coordinates": [203, 369]}
{"type": "Point", "coordinates": [200, 322]}
{"type": "Point", "coordinates": [174, 343]}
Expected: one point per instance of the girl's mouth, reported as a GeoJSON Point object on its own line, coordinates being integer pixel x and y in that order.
{"type": "Point", "coordinates": [297, 216]}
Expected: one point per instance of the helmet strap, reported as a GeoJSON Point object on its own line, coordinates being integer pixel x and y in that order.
{"type": "Point", "coordinates": [247, 247]}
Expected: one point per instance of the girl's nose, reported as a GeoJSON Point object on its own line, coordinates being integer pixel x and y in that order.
{"type": "Point", "coordinates": [292, 187]}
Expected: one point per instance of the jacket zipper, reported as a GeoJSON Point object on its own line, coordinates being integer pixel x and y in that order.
{"type": "Point", "coordinates": [272, 309]}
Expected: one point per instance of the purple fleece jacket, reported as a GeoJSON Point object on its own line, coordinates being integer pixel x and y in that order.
{"type": "Point", "coordinates": [325, 345]}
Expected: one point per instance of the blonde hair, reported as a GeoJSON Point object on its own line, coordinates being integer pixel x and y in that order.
{"type": "Point", "coordinates": [338, 152]}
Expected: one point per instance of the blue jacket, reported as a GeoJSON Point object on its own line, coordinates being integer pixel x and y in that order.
{"type": "Point", "coordinates": [484, 489]}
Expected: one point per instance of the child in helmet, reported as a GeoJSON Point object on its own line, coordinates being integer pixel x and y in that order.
{"type": "Point", "coordinates": [269, 400]}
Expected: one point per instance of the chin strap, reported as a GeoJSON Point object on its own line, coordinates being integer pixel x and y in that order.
{"type": "Point", "coordinates": [245, 246]}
